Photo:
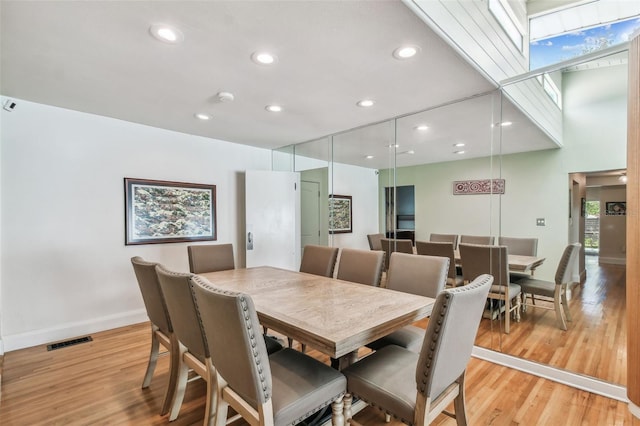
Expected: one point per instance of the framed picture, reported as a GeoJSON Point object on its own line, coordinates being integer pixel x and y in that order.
{"type": "Point", "coordinates": [616, 208]}
{"type": "Point", "coordinates": [340, 214]}
{"type": "Point", "coordinates": [583, 207]}
{"type": "Point", "coordinates": [168, 212]}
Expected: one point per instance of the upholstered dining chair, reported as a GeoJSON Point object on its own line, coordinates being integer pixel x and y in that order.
{"type": "Point", "coordinates": [319, 260]}
{"type": "Point", "coordinates": [375, 241]}
{"type": "Point", "coordinates": [193, 348]}
{"type": "Point", "coordinates": [445, 238]}
{"type": "Point", "coordinates": [417, 387]}
{"type": "Point", "coordinates": [283, 388]}
{"type": "Point", "coordinates": [555, 291]}
{"type": "Point", "coordinates": [421, 275]}
{"type": "Point", "coordinates": [210, 258]}
{"type": "Point", "coordinates": [361, 266]}
{"type": "Point", "coordinates": [521, 247]}
{"type": "Point", "coordinates": [477, 239]}
{"type": "Point", "coordinates": [390, 245]}
{"type": "Point", "coordinates": [443, 249]}
{"type": "Point", "coordinates": [161, 328]}
{"type": "Point", "coordinates": [478, 259]}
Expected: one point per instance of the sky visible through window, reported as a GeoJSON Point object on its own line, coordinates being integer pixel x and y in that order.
{"type": "Point", "coordinates": [566, 46]}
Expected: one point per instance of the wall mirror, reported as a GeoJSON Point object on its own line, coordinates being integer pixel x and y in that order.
{"type": "Point", "coordinates": [550, 157]}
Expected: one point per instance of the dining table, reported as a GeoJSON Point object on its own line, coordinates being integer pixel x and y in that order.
{"type": "Point", "coordinates": [517, 263]}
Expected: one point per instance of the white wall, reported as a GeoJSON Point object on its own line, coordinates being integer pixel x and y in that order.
{"type": "Point", "coordinates": [613, 229]}
{"type": "Point", "coordinates": [65, 268]}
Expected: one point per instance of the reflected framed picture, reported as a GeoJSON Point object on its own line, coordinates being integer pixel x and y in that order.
{"type": "Point", "coordinates": [340, 214]}
{"type": "Point", "coordinates": [168, 212]}
{"type": "Point", "coordinates": [616, 208]}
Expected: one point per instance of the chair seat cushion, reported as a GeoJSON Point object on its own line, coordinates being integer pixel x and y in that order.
{"type": "Point", "coordinates": [301, 386]}
{"type": "Point", "coordinates": [514, 290]}
{"type": "Point", "coordinates": [272, 344]}
{"type": "Point", "coordinates": [515, 277]}
{"type": "Point", "coordinates": [386, 378]}
{"type": "Point", "coordinates": [409, 337]}
{"type": "Point", "coordinates": [538, 287]}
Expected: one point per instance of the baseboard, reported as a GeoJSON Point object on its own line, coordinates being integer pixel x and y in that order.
{"type": "Point", "coordinates": [634, 410]}
{"type": "Point", "coordinates": [612, 260]}
{"type": "Point", "coordinates": [65, 331]}
{"type": "Point", "coordinates": [589, 384]}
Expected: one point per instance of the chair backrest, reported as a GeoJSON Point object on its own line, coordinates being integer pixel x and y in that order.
{"type": "Point", "coordinates": [235, 340]}
{"type": "Point", "coordinates": [152, 294]}
{"type": "Point", "coordinates": [319, 260]}
{"type": "Point", "coordinates": [477, 239]}
{"type": "Point", "coordinates": [361, 266]}
{"type": "Point", "coordinates": [442, 249]}
{"type": "Point", "coordinates": [480, 259]}
{"type": "Point", "coordinates": [421, 275]}
{"type": "Point", "coordinates": [182, 310]}
{"type": "Point", "coordinates": [390, 245]}
{"type": "Point", "coordinates": [210, 258]}
{"type": "Point", "coordinates": [520, 246]}
{"type": "Point", "coordinates": [445, 238]}
{"type": "Point", "coordinates": [566, 264]}
{"type": "Point", "coordinates": [446, 348]}
{"type": "Point", "coordinates": [375, 242]}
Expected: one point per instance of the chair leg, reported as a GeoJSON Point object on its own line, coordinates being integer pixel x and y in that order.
{"type": "Point", "coordinates": [181, 384]}
{"type": "Point", "coordinates": [153, 357]}
{"type": "Point", "coordinates": [459, 405]}
{"type": "Point", "coordinates": [507, 313]}
{"type": "Point", "coordinates": [289, 342]}
{"type": "Point", "coordinates": [212, 397]}
{"type": "Point", "coordinates": [565, 304]}
{"type": "Point", "coordinates": [174, 368]}
{"type": "Point", "coordinates": [558, 308]}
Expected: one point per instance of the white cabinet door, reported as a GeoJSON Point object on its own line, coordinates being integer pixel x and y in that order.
{"type": "Point", "coordinates": [272, 219]}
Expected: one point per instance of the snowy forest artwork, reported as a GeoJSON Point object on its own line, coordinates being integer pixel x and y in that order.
{"type": "Point", "coordinates": [340, 214]}
{"type": "Point", "coordinates": [162, 212]}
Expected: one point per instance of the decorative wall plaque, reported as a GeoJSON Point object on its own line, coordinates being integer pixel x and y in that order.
{"type": "Point", "coordinates": [483, 186]}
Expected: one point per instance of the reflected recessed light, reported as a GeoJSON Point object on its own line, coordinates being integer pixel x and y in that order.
{"type": "Point", "coordinates": [422, 127]}
{"type": "Point", "coordinates": [393, 145]}
{"type": "Point", "coordinates": [202, 116]}
{"type": "Point", "coordinates": [506, 123]}
{"type": "Point", "coordinates": [405, 52]}
{"type": "Point", "coordinates": [166, 33]}
{"type": "Point", "coordinates": [458, 152]}
{"type": "Point", "coordinates": [623, 178]}
{"type": "Point", "coordinates": [458, 145]}
{"type": "Point", "coordinates": [365, 103]}
{"type": "Point", "coordinates": [411, 152]}
{"type": "Point", "coordinates": [369, 157]}
{"type": "Point", "coordinates": [263, 58]}
{"type": "Point", "coordinates": [273, 108]}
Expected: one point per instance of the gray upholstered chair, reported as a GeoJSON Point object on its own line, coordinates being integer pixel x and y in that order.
{"type": "Point", "coordinates": [281, 389]}
{"type": "Point", "coordinates": [521, 247]}
{"type": "Point", "coordinates": [443, 249]}
{"type": "Point", "coordinates": [361, 266]}
{"type": "Point", "coordinates": [193, 348]}
{"type": "Point", "coordinates": [556, 291]}
{"type": "Point", "coordinates": [421, 275]}
{"type": "Point", "coordinates": [417, 387]}
{"type": "Point", "coordinates": [390, 245]}
{"type": "Point", "coordinates": [477, 239]}
{"type": "Point", "coordinates": [161, 328]}
{"type": "Point", "coordinates": [210, 258]}
{"type": "Point", "coordinates": [375, 241]}
{"type": "Point", "coordinates": [445, 238]}
{"type": "Point", "coordinates": [480, 259]}
{"type": "Point", "coordinates": [319, 260]}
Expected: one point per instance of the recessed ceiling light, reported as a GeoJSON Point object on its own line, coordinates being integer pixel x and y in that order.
{"type": "Point", "coordinates": [365, 103]}
{"type": "Point", "coordinates": [506, 123]}
{"type": "Point", "coordinates": [393, 145]}
{"type": "Point", "coordinates": [263, 58]}
{"type": "Point", "coordinates": [458, 145]}
{"type": "Point", "coordinates": [166, 33]}
{"type": "Point", "coordinates": [405, 52]}
{"type": "Point", "coordinates": [411, 151]}
{"type": "Point", "coordinates": [202, 116]}
{"type": "Point", "coordinates": [458, 152]}
{"type": "Point", "coordinates": [369, 157]}
{"type": "Point", "coordinates": [273, 108]}
{"type": "Point", "coordinates": [422, 127]}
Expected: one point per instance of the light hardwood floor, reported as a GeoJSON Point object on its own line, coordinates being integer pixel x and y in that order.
{"type": "Point", "coordinates": [98, 383]}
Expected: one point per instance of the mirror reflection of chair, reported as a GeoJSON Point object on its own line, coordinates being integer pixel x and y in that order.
{"type": "Point", "coordinates": [445, 238]}
{"type": "Point", "coordinates": [443, 249]}
{"type": "Point", "coordinates": [390, 245]}
{"type": "Point", "coordinates": [210, 258]}
{"type": "Point", "coordinates": [319, 260]}
{"type": "Point", "coordinates": [421, 275]}
{"type": "Point", "coordinates": [520, 247]}
{"type": "Point", "coordinates": [477, 239]}
{"type": "Point", "coordinates": [417, 387]}
{"type": "Point", "coordinates": [375, 241]}
{"type": "Point", "coordinates": [361, 266]}
{"type": "Point", "coordinates": [279, 389]}
{"type": "Point", "coordinates": [483, 259]}
{"type": "Point", "coordinates": [554, 291]}
{"type": "Point", "coordinates": [161, 328]}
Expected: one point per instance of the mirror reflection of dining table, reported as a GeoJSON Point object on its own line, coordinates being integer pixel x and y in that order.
{"type": "Point", "coordinates": [517, 263]}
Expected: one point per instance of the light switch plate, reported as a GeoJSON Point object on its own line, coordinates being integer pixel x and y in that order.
{"type": "Point", "coordinates": [540, 221]}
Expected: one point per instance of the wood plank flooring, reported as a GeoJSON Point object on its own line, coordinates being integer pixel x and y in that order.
{"type": "Point", "coordinates": [98, 383]}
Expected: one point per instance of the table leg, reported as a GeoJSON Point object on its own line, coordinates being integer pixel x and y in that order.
{"type": "Point", "coordinates": [347, 399]}
{"type": "Point", "coordinates": [337, 416]}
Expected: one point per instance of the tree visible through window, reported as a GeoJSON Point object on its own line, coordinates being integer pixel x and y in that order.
{"type": "Point", "coordinates": [592, 225]}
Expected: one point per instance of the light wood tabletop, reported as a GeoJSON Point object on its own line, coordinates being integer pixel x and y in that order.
{"type": "Point", "coordinates": [333, 316]}
{"type": "Point", "coordinates": [516, 262]}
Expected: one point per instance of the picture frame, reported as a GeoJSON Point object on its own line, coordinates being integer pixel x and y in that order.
{"type": "Point", "coordinates": [340, 214]}
{"type": "Point", "coordinates": [159, 211]}
{"type": "Point", "coordinates": [583, 207]}
{"type": "Point", "coordinates": [616, 208]}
